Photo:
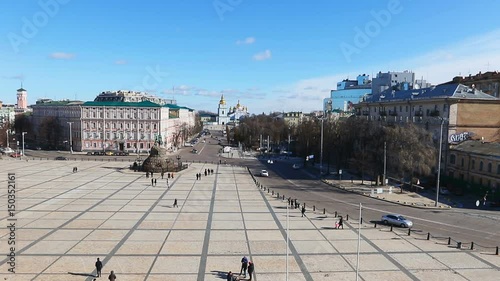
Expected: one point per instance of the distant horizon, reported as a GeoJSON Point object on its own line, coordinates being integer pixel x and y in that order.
{"type": "Point", "coordinates": [271, 55]}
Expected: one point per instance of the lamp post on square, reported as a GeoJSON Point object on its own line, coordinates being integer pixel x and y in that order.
{"type": "Point", "coordinates": [23, 133]}
{"type": "Point", "coordinates": [70, 138]}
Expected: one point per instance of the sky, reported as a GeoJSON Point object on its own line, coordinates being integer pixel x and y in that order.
{"type": "Point", "coordinates": [270, 55]}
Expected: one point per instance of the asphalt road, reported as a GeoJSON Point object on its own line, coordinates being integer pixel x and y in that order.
{"type": "Point", "coordinates": [466, 225]}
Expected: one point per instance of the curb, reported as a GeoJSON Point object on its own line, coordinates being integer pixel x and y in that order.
{"type": "Point", "coordinates": [412, 205]}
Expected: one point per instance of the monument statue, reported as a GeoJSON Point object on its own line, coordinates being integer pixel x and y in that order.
{"type": "Point", "coordinates": [158, 161]}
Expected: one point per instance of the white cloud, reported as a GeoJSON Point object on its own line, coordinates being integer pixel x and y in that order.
{"type": "Point", "coordinates": [247, 41]}
{"type": "Point", "coordinates": [14, 77]}
{"type": "Point", "coordinates": [120, 62]}
{"type": "Point", "coordinates": [262, 55]}
{"type": "Point", "coordinates": [61, 56]}
{"type": "Point", "coordinates": [472, 55]}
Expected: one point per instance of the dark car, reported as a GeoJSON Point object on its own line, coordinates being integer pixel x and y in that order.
{"type": "Point", "coordinates": [61, 158]}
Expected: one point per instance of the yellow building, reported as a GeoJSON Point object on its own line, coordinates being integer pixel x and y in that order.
{"type": "Point", "coordinates": [475, 162]}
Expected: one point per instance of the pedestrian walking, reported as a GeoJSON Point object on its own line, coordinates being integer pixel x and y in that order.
{"type": "Point", "coordinates": [212, 171]}
{"type": "Point", "coordinates": [340, 223]}
{"type": "Point", "coordinates": [151, 174]}
{"type": "Point", "coordinates": [244, 266]}
{"type": "Point", "coordinates": [168, 175]}
{"type": "Point", "coordinates": [152, 182]}
{"type": "Point", "coordinates": [112, 276]}
{"type": "Point", "coordinates": [147, 174]}
{"type": "Point", "coordinates": [303, 211]}
{"type": "Point", "coordinates": [172, 175]}
{"type": "Point", "coordinates": [250, 269]}
{"type": "Point", "coordinates": [162, 174]}
{"type": "Point", "coordinates": [155, 182]}
{"type": "Point", "coordinates": [175, 203]}
{"type": "Point", "coordinates": [98, 267]}
{"type": "Point", "coordinates": [229, 276]}
{"type": "Point", "coordinates": [197, 176]}
{"type": "Point", "coordinates": [205, 172]}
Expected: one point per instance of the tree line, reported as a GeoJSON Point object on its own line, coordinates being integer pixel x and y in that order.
{"type": "Point", "coordinates": [350, 143]}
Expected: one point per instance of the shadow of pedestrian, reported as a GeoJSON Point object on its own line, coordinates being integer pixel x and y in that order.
{"type": "Point", "coordinates": [81, 274]}
{"type": "Point", "coordinates": [220, 274]}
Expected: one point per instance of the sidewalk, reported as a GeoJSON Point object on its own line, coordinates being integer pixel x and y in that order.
{"type": "Point", "coordinates": [386, 193]}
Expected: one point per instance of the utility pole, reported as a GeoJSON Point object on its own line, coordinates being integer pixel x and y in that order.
{"type": "Point", "coordinates": [385, 164]}
{"type": "Point", "coordinates": [439, 162]}
{"type": "Point", "coordinates": [321, 150]}
{"type": "Point", "coordinates": [23, 133]}
{"type": "Point", "coordinates": [70, 138]}
{"type": "Point", "coordinates": [268, 138]}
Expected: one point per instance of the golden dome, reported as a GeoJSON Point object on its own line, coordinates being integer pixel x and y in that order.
{"type": "Point", "coordinates": [222, 100]}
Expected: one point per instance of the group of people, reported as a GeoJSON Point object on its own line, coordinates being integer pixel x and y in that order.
{"type": "Point", "coordinates": [98, 267]}
{"type": "Point", "coordinates": [246, 266]}
{"type": "Point", "coordinates": [207, 172]}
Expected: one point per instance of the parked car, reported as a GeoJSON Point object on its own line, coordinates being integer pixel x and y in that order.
{"type": "Point", "coordinates": [61, 158]}
{"type": "Point", "coordinates": [264, 173]}
{"type": "Point", "coordinates": [195, 151]}
{"type": "Point", "coordinates": [296, 166]}
{"type": "Point", "coordinates": [15, 155]}
{"type": "Point", "coordinates": [396, 219]}
{"type": "Point", "coordinates": [7, 150]}
{"type": "Point", "coordinates": [109, 153]}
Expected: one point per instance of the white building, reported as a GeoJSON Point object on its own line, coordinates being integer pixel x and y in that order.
{"type": "Point", "coordinates": [223, 117]}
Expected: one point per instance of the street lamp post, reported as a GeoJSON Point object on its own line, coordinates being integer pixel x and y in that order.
{"type": "Point", "coordinates": [23, 133]}
{"type": "Point", "coordinates": [70, 138]}
{"type": "Point", "coordinates": [321, 150]}
{"type": "Point", "coordinates": [439, 161]}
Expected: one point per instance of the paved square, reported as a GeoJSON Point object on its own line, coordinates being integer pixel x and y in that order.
{"type": "Point", "coordinates": [65, 220]}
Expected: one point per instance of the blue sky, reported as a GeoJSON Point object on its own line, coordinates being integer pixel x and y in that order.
{"type": "Point", "coordinates": [270, 55]}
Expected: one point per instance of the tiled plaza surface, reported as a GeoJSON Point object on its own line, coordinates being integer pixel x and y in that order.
{"type": "Point", "coordinates": [66, 220]}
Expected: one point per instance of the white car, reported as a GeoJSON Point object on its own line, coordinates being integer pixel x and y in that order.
{"type": "Point", "coordinates": [296, 166]}
{"type": "Point", "coordinates": [396, 219]}
{"type": "Point", "coordinates": [264, 173]}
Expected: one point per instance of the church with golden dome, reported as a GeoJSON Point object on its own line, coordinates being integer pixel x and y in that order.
{"type": "Point", "coordinates": [232, 115]}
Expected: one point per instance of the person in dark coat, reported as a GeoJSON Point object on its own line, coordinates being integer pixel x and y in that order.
{"type": "Point", "coordinates": [244, 266]}
{"type": "Point", "coordinates": [303, 211]}
{"type": "Point", "coordinates": [250, 269]}
{"type": "Point", "coordinates": [112, 276]}
{"type": "Point", "coordinates": [229, 276]}
{"type": "Point", "coordinates": [175, 203]}
{"type": "Point", "coordinates": [341, 223]}
{"type": "Point", "coordinates": [98, 267]}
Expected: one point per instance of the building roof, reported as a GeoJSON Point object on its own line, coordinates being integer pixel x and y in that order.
{"type": "Point", "coordinates": [21, 90]}
{"type": "Point", "coordinates": [121, 103]}
{"type": "Point", "coordinates": [477, 147]}
{"type": "Point", "coordinates": [57, 103]}
{"type": "Point", "coordinates": [457, 91]}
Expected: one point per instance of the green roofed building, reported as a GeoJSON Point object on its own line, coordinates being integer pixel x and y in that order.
{"type": "Point", "coordinates": [108, 124]}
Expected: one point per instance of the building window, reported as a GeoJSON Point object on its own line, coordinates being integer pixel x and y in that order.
{"type": "Point", "coordinates": [462, 162]}
{"type": "Point", "coordinates": [489, 167]}
{"type": "Point", "coordinates": [406, 108]}
{"type": "Point", "coordinates": [498, 169]}
{"type": "Point", "coordinates": [481, 166]}
{"type": "Point", "coordinates": [473, 164]}
{"type": "Point", "coordinates": [452, 159]}
{"type": "Point", "coordinates": [154, 126]}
